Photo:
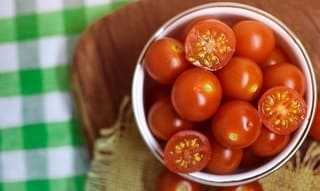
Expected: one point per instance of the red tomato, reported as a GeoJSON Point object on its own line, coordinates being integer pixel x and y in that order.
{"type": "Point", "coordinates": [250, 160]}
{"type": "Point", "coordinates": [164, 121]}
{"type": "Point", "coordinates": [223, 160]}
{"type": "Point", "coordinates": [196, 94]}
{"type": "Point", "coordinates": [210, 44]}
{"type": "Point", "coordinates": [186, 29]}
{"type": "Point", "coordinates": [241, 78]}
{"type": "Point", "coordinates": [255, 40]}
{"type": "Point", "coordinates": [165, 60]}
{"type": "Point", "coordinates": [187, 151]}
{"type": "Point", "coordinates": [168, 181]}
{"type": "Point", "coordinates": [282, 110]}
{"type": "Point", "coordinates": [236, 124]}
{"type": "Point", "coordinates": [277, 56]}
{"type": "Point", "coordinates": [284, 74]}
{"type": "Point", "coordinates": [269, 143]}
{"type": "Point", "coordinates": [315, 128]}
{"type": "Point", "coordinates": [254, 186]}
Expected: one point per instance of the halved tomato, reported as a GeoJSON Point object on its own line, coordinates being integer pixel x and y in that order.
{"type": "Point", "coordinates": [187, 151]}
{"type": "Point", "coordinates": [210, 44]}
{"type": "Point", "coordinates": [282, 110]}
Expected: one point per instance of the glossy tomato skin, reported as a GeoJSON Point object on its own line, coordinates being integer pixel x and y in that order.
{"type": "Point", "coordinates": [168, 181]}
{"type": "Point", "coordinates": [210, 44]}
{"type": "Point", "coordinates": [164, 121]}
{"type": "Point", "coordinates": [254, 186]}
{"type": "Point", "coordinates": [254, 40]}
{"type": "Point", "coordinates": [223, 160]}
{"type": "Point", "coordinates": [196, 94]}
{"type": "Point", "coordinates": [236, 124]}
{"type": "Point", "coordinates": [282, 110]}
{"type": "Point", "coordinates": [269, 143]}
{"type": "Point", "coordinates": [241, 78]}
{"type": "Point", "coordinates": [284, 74]}
{"type": "Point", "coordinates": [315, 128]}
{"type": "Point", "coordinates": [165, 60]}
{"type": "Point", "coordinates": [277, 56]}
{"type": "Point", "coordinates": [187, 151]}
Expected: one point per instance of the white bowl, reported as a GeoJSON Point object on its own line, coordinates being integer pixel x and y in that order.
{"type": "Point", "coordinates": [287, 40]}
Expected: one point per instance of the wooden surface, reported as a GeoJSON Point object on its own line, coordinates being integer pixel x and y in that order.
{"type": "Point", "coordinates": [108, 50]}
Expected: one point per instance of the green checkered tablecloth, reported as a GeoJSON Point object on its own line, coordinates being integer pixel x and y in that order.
{"type": "Point", "coordinates": [40, 144]}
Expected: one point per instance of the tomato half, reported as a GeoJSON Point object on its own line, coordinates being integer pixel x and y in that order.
{"type": "Point", "coordinates": [315, 128]}
{"type": "Point", "coordinates": [269, 143]}
{"type": "Point", "coordinates": [254, 39]}
{"type": "Point", "coordinates": [168, 181]}
{"type": "Point", "coordinates": [236, 124]}
{"type": "Point", "coordinates": [284, 74]}
{"type": "Point", "coordinates": [277, 56]}
{"type": "Point", "coordinates": [254, 186]}
{"type": "Point", "coordinates": [164, 121]}
{"type": "Point", "coordinates": [196, 94]}
{"type": "Point", "coordinates": [210, 44]}
{"type": "Point", "coordinates": [165, 60]}
{"type": "Point", "coordinates": [241, 78]}
{"type": "Point", "coordinates": [223, 160]}
{"type": "Point", "coordinates": [282, 110]}
{"type": "Point", "coordinates": [187, 151]}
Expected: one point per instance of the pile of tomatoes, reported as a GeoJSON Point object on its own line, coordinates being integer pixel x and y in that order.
{"type": "Point", "coordinates": [225, 98]}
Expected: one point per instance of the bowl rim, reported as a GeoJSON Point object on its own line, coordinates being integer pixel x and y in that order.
{"type": "Point", "coordinates": [137, 94]}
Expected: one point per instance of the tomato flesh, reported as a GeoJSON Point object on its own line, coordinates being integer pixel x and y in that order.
{"type": "Point", "coordinates": [223, 160]}
{"type": "Point", "coordinates": [196, 94]}
{"type": "Point", "coordinates": [187, 151]}
{"type": "Point", "coordinates": [165, 60]}
{"type": "Point", "coordinates": [210, 44]}
{"type": "Point", "coordinates": [254, 186]}
{"type": "Point", "coordinates": [168, 181]}
{"type": "Point", "coordinates": [241, 78]}
{"type": "Point", "coordinates": [236, 124]}
{"type": "Point", "coordinates": [164, 121]}
{"type": "Point", "coordinates": [282, 110]}
{"type": "Point", "coordinates": [269, 143]}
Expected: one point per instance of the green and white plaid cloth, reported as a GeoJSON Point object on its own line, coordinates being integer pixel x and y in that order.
{"type": "Point", "coordinates": [41, 147]}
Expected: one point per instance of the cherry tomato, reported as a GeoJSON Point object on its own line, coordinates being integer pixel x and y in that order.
{"type": "Point", "coordinates": [164, 121]}
{"type": "Point", "coordinates": [254, 186]}
{"type": "Point", "coordinates": [196, 94]}
{"type": "Point", "coordinates": [165, 60]}
{"type": "Point", "coordinates": [284, 74]}
{"type": "Point", "coordinates": [250, 160]}
{"type": "Point", "coordinates": [269, 143]}
{"type": "Point", "coordinates": [223, 160]}
{"type": "Point", "coordinates": [210, 44]}
{"type": "Point", "coordinates": [236, 124]}
{"type": "Point", "coordinates": [277, 56]}
{"type": "Point", "coordinates": [168, 181]}
{"type": "Point", "coordinates": [187, 151]}
{"type": "Point", "coordinates": [186, 29]}
{"type": "Point", "coordinates": [254, 40]}
{"type": "Point", "coordinates": [315, 128]}
{"type": "Point", "coordinates": [241, 78]}
{"type": "Point", "coordinates": [282, 110]}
